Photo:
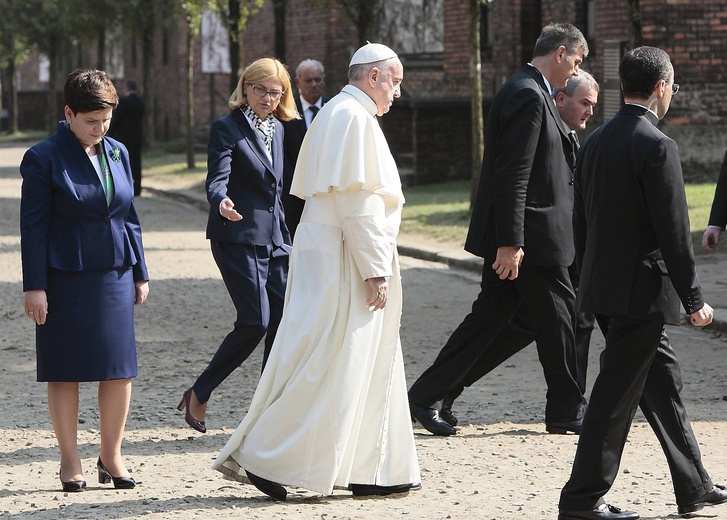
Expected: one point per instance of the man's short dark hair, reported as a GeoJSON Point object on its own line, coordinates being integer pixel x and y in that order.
{"type": "Point", "coordinates": [131, 84]}
{"type": "Point", "coordinates": [556, 34]}
{"type": "Point", "coordinates": [641, 69]}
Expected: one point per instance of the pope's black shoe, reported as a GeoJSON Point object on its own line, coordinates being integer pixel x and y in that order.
{"type": "Point", "coordinates": [370, 490]}
{"type": "Point", "coordinates": [429, 418]}
{"type": "Point", "coordinates": [602, 512]}
{"type": "Point", "coordinates": [718, 495]}
{"type": "Point", "coordinates": [270, 488]}
{"type": "Point", "coordinates": [562, 428]}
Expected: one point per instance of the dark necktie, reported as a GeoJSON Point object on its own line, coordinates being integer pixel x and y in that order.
{"type": "Point", "coordinates": [574, 141]}
{"type": "Point", "coordinates": [313, 110]}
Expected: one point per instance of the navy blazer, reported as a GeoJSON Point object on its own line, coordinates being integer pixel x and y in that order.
{"type": "Point", "coordinates": [525, 193]}
{"type": "Point", "coordinates": [65, 223]}
{"type": "Point", "coordinates": [238, 167]}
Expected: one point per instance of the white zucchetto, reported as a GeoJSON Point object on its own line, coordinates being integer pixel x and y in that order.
{"type": "Point", "coordinates": [372, 52]}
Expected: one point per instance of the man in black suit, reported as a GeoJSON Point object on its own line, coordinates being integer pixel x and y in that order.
{"type": "Point", "coordinates": [310, 80]}
{"type": "Point", "coordinates": [636, 262]}
{"type": "Point", "coordinates": [522, 226]}
{"type": "Point", "coordinates": [575, 104]}
{"type": "Point", "coordinates": [718, 214]}
{"type": "Point", "coordinates": [127, 126]}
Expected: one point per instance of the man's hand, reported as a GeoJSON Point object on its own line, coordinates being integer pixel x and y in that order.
{"type": "Point", "coordinates": [508, 260]}
{"type": "Point", "coordinates": [703, 316]}
{"type": "Point", "coordinates": [378, 293]}
{"type": "Point", "coordinates": [710, 239]}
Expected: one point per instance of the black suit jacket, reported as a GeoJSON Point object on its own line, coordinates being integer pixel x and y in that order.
{"type": "Point", "coordinates": [525, 195]}
{"type": "Point", "coordinates": [295, 130]}
{"type": "Point", "coordinates": [718, 214]}
{"type": "Point", "coordinates": [631, 222]}
{"type": "Point", "coordinates": [238, 167]}
{"type": "Point", "coordinates": [127, 121]}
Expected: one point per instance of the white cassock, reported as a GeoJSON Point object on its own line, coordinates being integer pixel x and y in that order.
{"type": "Point", "coordinates": [331, 407]}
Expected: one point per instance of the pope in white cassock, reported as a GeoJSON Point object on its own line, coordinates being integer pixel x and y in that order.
{"type": "Point", "coordinates": [331, 409]}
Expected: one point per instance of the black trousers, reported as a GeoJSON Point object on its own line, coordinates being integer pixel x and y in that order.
{"type": "Point", "coordinates": [638, 368]}
{"type": "Point", "coordinates": [548, 293]}
{"type": "Point", "coordinates": [255, 277]}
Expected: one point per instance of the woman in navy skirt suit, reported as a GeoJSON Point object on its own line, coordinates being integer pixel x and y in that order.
{"type": "Point", "coordinates": [83, 271]}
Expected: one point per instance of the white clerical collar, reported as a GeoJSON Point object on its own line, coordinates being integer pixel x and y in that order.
{"type": "Point", "coordinates": [643, 106]}
{"type": "Point", "coordinates": [547, 83]}
{"type": "Point", "coordinates": [363, 98]}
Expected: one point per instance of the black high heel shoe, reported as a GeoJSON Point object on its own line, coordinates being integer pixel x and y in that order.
{"type": "Point", "coordinates": [184, 405]}
{"type": "Point", "coordinates": [73, 486]}
{"type": "Point", "coordinates": [104, 477]}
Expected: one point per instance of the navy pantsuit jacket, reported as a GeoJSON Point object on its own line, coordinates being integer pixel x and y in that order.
{"type": "Point", "coordinates": [239, 168]}
{"type": "Point", "coordinates": [65, 222]}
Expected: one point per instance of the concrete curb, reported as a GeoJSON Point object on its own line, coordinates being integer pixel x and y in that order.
{"type": "Point", "coordinates": [458, 260]}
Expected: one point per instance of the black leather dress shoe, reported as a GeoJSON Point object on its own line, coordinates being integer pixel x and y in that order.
{"type": "Point", "coordinates": [429, 418]}
{"type": "Point", "coordinates": [718, 495]}
{"type": "Point", "coordinates": [369, 490]}
{"type": "Point", "coordinates": [602, 512]}
{"type": "Point", "coordinates": [270, 488]}
{"type": "Point", "coordinates": [446, 414]}
{"type": "Point", "coordinates": [562, 428]}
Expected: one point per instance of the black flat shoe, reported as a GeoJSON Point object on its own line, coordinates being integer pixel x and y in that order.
{"type": "Point", "coordinates": [562, 428]}
{"type": "Point", "coordinates": [74, 486]}
{"type": "Point", "coordinates": [184, 405]}
{"type": "Point", "coordinates": [370, 490]}
{"type": "Point", "coordinates": [270, 488]}
{"type": "Point", "coordinates": [718, 495]}
{"type": "Point", "coordinates": [104, 477]}
{"type": "Point", "coordinates": [429, 418]}
{"type": "Point", "coordinates": [602, 512]}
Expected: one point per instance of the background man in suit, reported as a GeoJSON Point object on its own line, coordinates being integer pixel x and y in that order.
{"type": "Point", "coordinates": [718, 214]}
{"type": "Point", "coordinates": [575, 104]}
{"type": "Point", "coordinates": [310, 80]}
{"type": "Point", "coordinates": [635, 253]}
{"type": "Point", "coordinates": [522, 226]}
{"type": "Point", "coordinates": [127, 126]}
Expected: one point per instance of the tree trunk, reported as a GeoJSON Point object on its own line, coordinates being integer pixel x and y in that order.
{"type": "Point", "coordinates": [52, 98]}
{"type": "Point", "coordinates": [190, 98]}
{"type": "Point", "coordinates": [233, 24]}
{"type": "Point", "coordinates": [148, 38]}
{"type": "Point", "coordinates": [13, 98]}
{"type": "Point", "coordinates": [101, 49]}
{"type": "Point", "coordinates": [279, 9]}
{"type": "Point", "coordinates": [635, 36]}
{"type": "Point", "coordinates": [478, 134]}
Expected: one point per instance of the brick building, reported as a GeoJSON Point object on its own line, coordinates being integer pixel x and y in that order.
{"type": "Point", "coordinates": [429, 127]}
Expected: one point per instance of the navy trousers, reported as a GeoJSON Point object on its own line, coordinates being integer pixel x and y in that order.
{"type": "Point", "coordinates": [255, 277]}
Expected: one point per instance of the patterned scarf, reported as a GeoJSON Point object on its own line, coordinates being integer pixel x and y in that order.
{"type": "Point", "coordinates": [265, 127]}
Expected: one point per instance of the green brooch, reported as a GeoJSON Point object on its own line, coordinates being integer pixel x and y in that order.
{"type": "Point", "coordinates": [115, 154]}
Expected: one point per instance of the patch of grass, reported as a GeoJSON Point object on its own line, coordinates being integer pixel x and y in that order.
{"type": "Point", "coordinates": [441, 211]}
{"type": "Point", "coordinates": [699, 201]}
{"type": "Point", "coordinates": [33, 136]}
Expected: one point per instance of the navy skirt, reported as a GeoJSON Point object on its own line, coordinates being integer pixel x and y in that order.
{"type": "Point", "coordinates": [89, 332]}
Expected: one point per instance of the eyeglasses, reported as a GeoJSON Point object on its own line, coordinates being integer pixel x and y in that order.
{"type": "Point", "coordinates": [261, 91]}
{"type": "Point", "coordinates": [674, 88]}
